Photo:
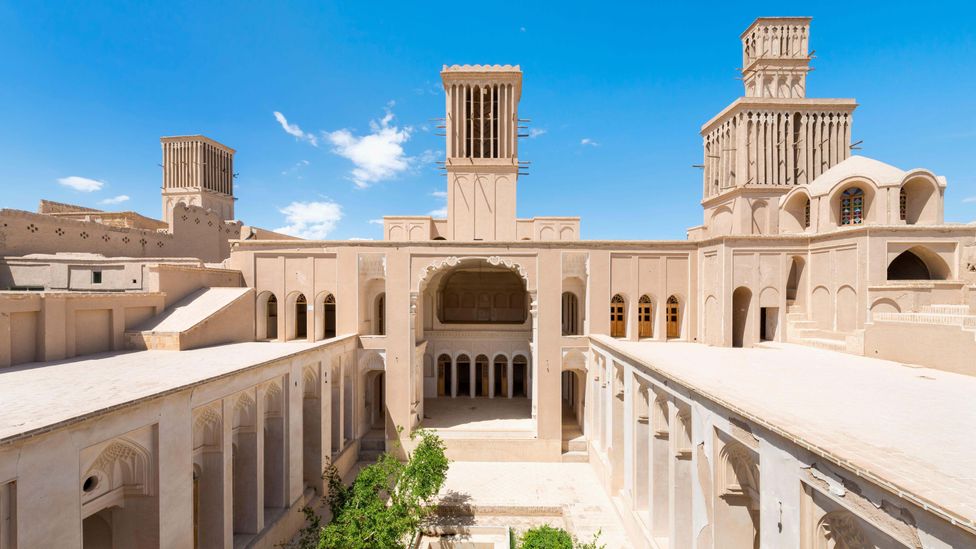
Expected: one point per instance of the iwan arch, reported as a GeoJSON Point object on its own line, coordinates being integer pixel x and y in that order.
{"type": "Point", "coordinates": [726, 389]}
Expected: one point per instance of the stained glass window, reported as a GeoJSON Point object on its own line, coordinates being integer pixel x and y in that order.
{"type": "Point", "coordinates": [852, 207]}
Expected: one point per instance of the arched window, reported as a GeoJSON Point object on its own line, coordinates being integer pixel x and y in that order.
{"type": "Point", "coordinates": [902, 204]}
{"type": "Point", "coordinates": [301, 317]}
{"type": "Point", "coordinates": [674, 318]}
{"type": "Point", "coordinates": [570, 314]}
{"type": "Point", "coordinates": [852, 207]}
{"type": "Point", "coordinates": [329, 314]}
{"type": "Point", "coordinates": [645, 317]}
{"type": "Point", "coordinates": [618, 326]}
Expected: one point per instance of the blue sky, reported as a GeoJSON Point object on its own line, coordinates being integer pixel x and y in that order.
{"type": "Point", "coordinates": [89, 88]}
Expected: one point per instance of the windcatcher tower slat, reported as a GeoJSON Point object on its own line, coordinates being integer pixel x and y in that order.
{"type": "Point", "coordinates": [482, 150]}
{"type": "Point", "coordinates": [774, 137]}
{"type": "Point", "coordinates": [197, 171]}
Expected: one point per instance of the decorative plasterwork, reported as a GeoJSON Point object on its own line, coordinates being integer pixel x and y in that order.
{"type": "Point", "coordinates": [372, 266]}
{"type": "Point", "coordinates": [450, 262]}
{"type": "Point", "coordinates": [575, 265]}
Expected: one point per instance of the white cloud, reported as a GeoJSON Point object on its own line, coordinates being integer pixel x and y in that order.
{"type": "Point", "coordinates": [376, 221]}
{"type": "Point", "coordinates": [522, 29]}
{"type": "Point", "coordinates": [293, 129]}
{"type": "Point", "coordinates": [115, 199]}
{"type": "Point", "coordinates": [588, 141]}
{"type": "Point", "coordinates": [358, 238]}
{"type": "Point", "coordinates": [377, 156]}
{"type": "Point", "coordinates": [536, 132]}
{"type": "Point", "coordinates": [969, 199]}
{"type": "Point", "coordinates": [82, 184]}
{"type": "Point", "coordinates": [312, 220]}
{"type": "Point", "coordinates": [442, 211]}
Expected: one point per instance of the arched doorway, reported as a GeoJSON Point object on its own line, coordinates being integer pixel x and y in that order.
{"type": "Point", "coordinates": [741, 303]}
{"type": "Point", "coordinates": [463, 375]}
{"type": "Point", "coordinates": [481, 376]}
{"type": "Point", "coordinates": [270, 318]}
{"type": "Point", "coordinates": [377, 408]}
{"type": "Point", "coordinates": [673, 313]}
{"type": "Point", "coordinates": [501, 376]}
{"type": "Point", "coordinates": [618, 320]}
{"type": "Point", "coordinates": [645, 317]}
{"type": "Point", "coordinates": [520, 377]}
{"type": "Point", "coordinates": [570, 314]}
{"type": "Point", "coordinates": [301, 317]}
{"type": "Point", "coordinates": [329, 316]}
{"type": "Point", "coordinates": [443, 376]}
{"type": "Point", "coordinates": [793, 290]}
{"type": "Point", "coordinates": [381, 314]}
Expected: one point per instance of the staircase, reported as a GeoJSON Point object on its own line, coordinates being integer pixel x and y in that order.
{"type": "Point", "coordinates": [188, 323]}
{"type": "Point", "coordinates": [801, 331]}
{"type": "Point", "coordinates": [372, 445]}
{"type": "Point", "coordinates": [574, 445]}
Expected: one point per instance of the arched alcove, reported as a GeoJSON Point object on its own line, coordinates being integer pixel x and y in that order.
{"type": "Point", "coordinates": [918, 263]}
{"type": "Point", "coordinates": [741, 304]}
{"type": "Point", "coordinates": [918, 201]}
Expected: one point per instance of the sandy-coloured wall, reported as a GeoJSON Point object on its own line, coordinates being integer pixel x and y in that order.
{"type": "Point", "coordinates": [178, 281]}
{"type": "Point", "coordinates": [43, 326]}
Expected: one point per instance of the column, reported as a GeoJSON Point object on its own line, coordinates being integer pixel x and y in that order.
{"type": "Point", "coordinates": [453, 376]}
{"type": "Point", "coordinates": [471, 374]}
{"type": "Point", "coordinates": [491, 377]}
{"type": "Point", "coordinates": [510, 380]}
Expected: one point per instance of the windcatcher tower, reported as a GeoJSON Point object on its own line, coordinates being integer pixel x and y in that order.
{"type": "Point", "coordinates": [482, 150]}
{"type": "Point", "coordinates": [197, 171]}
{"type": "Point", "coordinates": [772, 139]}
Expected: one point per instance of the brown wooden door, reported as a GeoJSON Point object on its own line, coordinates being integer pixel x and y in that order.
{"type": "Point", "coordinates": [672, 313]}
{"type": "Point", "coordinates": [618, 326]}
{"type": "Point", "coordinates": [440, 379]}
{"type": "Point", "coordinates": [645, 323]}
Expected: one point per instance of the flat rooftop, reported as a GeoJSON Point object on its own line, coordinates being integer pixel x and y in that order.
{"type": "Point", "coordinates": [904, 427]}
{"type": "Point", "coordinates": [41, 396]}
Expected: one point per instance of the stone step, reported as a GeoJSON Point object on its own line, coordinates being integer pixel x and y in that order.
{"type": "Point", "coordinates": [576, 457]}
{"type": "Point", "coordinates": [803, 324]}
{"type": "Point", "coordinates": [372, 444]}
{"type": "Point", "coordinates": [574, 445]}
{"type": "Point", "coordinates": [820, 334]}
{"type": "Point", "coordinates": [823, 343]}
{"type": "Point", "coordinates": [369, 456]}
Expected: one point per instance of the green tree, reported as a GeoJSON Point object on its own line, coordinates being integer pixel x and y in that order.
{"type": "Point", "coordinates": [385, 505]}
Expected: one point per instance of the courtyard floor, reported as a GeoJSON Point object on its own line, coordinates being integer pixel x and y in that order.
{"type": "Point", "coordinates": [523, 494]}
{"type": "Point", "coordinates": [481, 415]}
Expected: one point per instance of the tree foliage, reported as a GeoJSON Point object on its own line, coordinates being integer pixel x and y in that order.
{"type": "Point", "coordinates": [385, 505]}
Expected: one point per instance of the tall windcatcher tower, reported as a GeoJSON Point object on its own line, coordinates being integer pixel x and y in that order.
{"type": "Point", "coordinates": [197, 171]}
{"type": "Point", "coordinates": [774, 137]}
{"type": "Point", "coordinates": [482, 150]}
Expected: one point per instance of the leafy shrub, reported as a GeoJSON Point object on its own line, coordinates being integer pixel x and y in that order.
{"type": "Point", "coordinates": [546, 537]}
{"type": "Point", "coordinates": [386, 503]}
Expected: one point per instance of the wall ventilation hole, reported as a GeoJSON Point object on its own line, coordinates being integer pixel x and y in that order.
{"type": "Point", "coordinates": [90, 484]}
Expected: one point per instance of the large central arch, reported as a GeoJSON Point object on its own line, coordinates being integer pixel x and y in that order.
{"type": "Point", "coordinates": [476, 315]}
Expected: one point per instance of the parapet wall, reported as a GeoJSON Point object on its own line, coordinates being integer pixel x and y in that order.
{"type": "Point", "coordinates": [43, 326]}
{"type": "Point", "coordinates": [195, 232]}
